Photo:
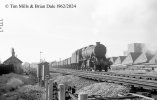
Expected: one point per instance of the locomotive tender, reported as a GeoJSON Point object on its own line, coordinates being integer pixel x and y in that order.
{"type": "Point", "coordinates": [92, 57]}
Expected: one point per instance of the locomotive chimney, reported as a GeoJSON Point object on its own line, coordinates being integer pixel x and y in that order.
{"type": "Point", "coordinates": [97, 43]}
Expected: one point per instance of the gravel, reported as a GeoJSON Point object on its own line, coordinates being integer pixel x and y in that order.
{"type": "Point", "coordinates": [91, 87]}
{"type": "Point", "coordinates": [70, 80]}
{"type": "Point", "coordinates": [104, 89]}
{"type": "Point", "coordinates": [53, 76]}
{"type": "Point", "coordinates": [31, 92]}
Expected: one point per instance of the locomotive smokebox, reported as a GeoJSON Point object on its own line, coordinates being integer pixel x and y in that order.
{"type": "Point", "coordinates": [98, 50]}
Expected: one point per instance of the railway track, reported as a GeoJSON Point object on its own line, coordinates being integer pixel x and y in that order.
{"type": "Point", "coordinates": [136, 76]}
{"type": "Point", "coordinates": [142, 81]}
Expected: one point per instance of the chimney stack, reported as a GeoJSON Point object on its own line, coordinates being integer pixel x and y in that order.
{"type": "Point", "coordinates": [13, 52]}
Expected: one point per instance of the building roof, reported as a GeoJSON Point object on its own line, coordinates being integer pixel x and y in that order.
{"type": "Point", "coordinates": [131, 57]}
{"type": "Point", "coordinates": [135, 55]}
{"type": "Point", "coordinates": [153, 60]}
{"type": "Point", "coordinates": [119, 60]}
{"type": "Point", "coordinates": [113, 59]}
{"type": "Point", "coordinates": [12, 58]}
{"type": "Point", "coordinates": [149, 56]}
{"type": "Point", "coordinates": [141, 59]}
{"type": "Point", "coordinates": [122, 58]}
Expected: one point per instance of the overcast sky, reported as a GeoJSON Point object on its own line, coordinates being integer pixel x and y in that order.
{"type": "Point", "coordinates": [58, 32]}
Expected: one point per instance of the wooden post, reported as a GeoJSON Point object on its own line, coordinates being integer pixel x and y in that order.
{"type": "Point", "coordinates": [39, 73]}
{"type": "Point", "coordinates": [46, 83]}
{"type": "Point", "coordinates": [50, 89]}
{"type": "Point", "coordinates": [43, 72]}
{"type": "Point", "coordinates": [83, 96]}
{"type": "Point", "coordinates": [61, 92]}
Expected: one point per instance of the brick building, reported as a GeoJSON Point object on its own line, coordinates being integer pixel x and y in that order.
{"type": "Point", "coordinates": [15, 61]}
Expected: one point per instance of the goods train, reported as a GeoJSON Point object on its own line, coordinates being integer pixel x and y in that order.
{"type": "Point", "coordinates": [92, 57]}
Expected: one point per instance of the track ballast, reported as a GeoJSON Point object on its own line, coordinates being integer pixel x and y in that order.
{"type": "Point", "coordinates": [141, 81]}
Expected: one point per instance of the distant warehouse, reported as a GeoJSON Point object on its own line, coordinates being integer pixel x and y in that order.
{"type": "Point", "coordinates": [113, 59]}
{"type": "Point", "coordinates": [14, 61]}
{"type": "Point", "coordinates": [119, 60]}
{"type": "Point", "coordinates": [137, 53]}
{"type": "Point", "coordinates": [131, 58]}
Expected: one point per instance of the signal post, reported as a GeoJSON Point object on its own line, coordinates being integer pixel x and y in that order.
{"type": "Point", "coordinates": [43, 75]}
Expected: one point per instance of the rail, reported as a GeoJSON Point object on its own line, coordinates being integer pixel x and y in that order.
{"type": "Point", "coordinates": [137, 76]}
{"type": "Point", "coordinates": [98, 97]}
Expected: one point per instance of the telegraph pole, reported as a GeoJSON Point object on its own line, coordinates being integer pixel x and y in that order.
{"type": "Point", "coordinates": [39, 71]}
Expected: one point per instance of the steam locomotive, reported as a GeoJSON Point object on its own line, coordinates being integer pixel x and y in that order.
{"type": "Point", "coordinates": [92, 57]}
